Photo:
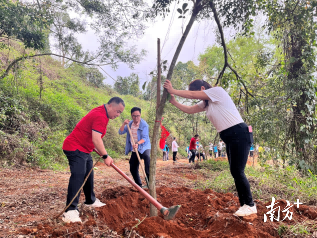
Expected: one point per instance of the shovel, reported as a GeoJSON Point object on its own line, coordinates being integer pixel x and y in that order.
{"type": "Point", "coordinates": [168, 213]}
{"type": "Point", "coordinates": [137, 153]}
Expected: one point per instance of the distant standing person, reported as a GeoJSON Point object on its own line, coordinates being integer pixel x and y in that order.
{"type": "Point", "coordinates": [165, 152]}
{"type": "Point", "coordinates": [87, 136]}
{"type": "Point", "coordinates": [211, 148]}
{"type": "Point", "coordinates": [220, 148]}
{"type": "Point", "coordinates": [223, 114]}
{"type": "Point", "coordinates": [188, 152]}
{"type": "Point", "coordinates": [140, 134]}
{"type": "Point", "coordinates": [251, 150]}
{"type": "Point", "coordinates": [192, 148]}
{"type": "Point", "coordinates": [174, 149]}
{"type": "Point", "coordinates": [216, 151]}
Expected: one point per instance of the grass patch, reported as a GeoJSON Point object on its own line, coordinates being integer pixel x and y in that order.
{"type": "Point", "coordinates": [303, 229]}
{"type": "Point", "coordinates": [266, 182]}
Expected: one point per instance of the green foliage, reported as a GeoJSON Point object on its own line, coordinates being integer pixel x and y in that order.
{"type": "Point", "coordinates": [25, 21]}
{"type": "Point", "coordinates": [216, 165]}
{"type": "Point", "coordinates": [128, 85]}
{"type": "Point", "coordinates": [32, 129]}
{"type": "Point", "coordinates": [288, 183]}
{"type": "Point", "coordinates": [113, 23]}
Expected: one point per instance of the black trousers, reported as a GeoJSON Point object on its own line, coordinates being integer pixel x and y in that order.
{"type": "Point", "coordinates": [201, 156]}
{"type": "Point", "coordinates": [174, 155]}
{"type": "Point", "coordinates": [80, 164]}
{"type": "Point", "coordinates": [192, 158]}
{"type": "Point", "coordinates": [238, 141]}
{"type": "Point", "coordinates": [134, 166]}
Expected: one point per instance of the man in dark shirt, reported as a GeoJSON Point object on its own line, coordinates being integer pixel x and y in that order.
{"type": "Point", "coordinates": [87, 136]}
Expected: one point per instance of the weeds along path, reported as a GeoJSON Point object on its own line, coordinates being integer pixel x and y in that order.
{"type": "Point", "coordinates": [29, 198]}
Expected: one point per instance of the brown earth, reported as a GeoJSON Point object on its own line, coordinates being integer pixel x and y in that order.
{"type": "Point", "coordinates": [30, 198]}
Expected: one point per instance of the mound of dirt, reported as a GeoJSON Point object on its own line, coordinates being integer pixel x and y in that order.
{"type": "Point", "coordinates": [202, 214]}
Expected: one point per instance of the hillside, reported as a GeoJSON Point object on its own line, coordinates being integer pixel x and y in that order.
{"type": "Point", "coordinates": [41, 102]}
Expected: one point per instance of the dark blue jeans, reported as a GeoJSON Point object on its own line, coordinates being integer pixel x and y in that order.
{"type": "Point", "coordinates": [134, 166]}
{"type": "Point", "coordinates": [80, 164]}
{"type": "Point", "coordinates": [238, 141]}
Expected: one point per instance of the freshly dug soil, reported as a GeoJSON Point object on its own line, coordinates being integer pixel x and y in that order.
{"type": "Point", "coordinates": [202, 213]}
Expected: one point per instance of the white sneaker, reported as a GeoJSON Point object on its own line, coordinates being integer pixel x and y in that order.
{"type": "Point", "coordinates": [246, 210]}
{"type": "Point", "coordinates": [71, 216]}
{"type": "Point", "coordinates": [97, 203]}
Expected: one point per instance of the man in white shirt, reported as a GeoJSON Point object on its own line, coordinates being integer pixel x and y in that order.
{"type": "Point", "coordinates": [211, 148]}
{"type": "Point", "coordinates": [174, 149]}
{"type": "Point", "coordinates": [220, 148]}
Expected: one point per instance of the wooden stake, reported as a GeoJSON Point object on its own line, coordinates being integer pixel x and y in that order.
{"type": "Point", "coordinates": [158, 94]}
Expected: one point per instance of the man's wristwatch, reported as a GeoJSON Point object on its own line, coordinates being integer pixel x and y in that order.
{"type": "Point", "coordinates": [137, 143]}
{"type": "Point", "coordinates": [105, 156]}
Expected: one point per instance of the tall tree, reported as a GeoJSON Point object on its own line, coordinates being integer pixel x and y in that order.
{"type": "Point", "coordinates": [113, 22]}
{"type": "Point", "coordinates": [163, 6]}
{"type": "Point", "coordinates": [128, 85]}
{"type": "Point", "coordinates": [24, 21]}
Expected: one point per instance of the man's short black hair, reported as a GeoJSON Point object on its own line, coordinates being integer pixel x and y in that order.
{"type": "Point", "coordinates": [196, 135]}
{"type": "Point", "coordinates": [116, 100]}
{"type": "Point", "coordinates": [135, 109]}
{"type": "Point", "coordinates": [174, 138]}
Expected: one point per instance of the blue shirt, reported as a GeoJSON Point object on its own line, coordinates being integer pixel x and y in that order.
{"type": "Point", "coordinates": [143, 133]}
{"type": "Point", "coordinates": [215, 149]}
{"type": "Point", "coordinates": [166, 148]}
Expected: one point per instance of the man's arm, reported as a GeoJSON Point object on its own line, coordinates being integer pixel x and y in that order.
{"type": "Point", "coordinates": [123, 129]}
{"type": "Point", "coordinates": [98, 143]}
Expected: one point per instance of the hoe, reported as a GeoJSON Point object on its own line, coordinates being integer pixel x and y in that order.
{"type": "Point", "coordinates": [168, 213]}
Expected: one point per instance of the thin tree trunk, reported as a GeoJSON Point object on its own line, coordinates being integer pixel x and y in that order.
{"type": "Point", "coordinates": [158, 89]}
{"type": "Point", "coordinates": [159, 111]}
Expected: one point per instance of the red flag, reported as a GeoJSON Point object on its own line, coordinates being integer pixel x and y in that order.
{"type": "Point", "coordinates": [164, 135]}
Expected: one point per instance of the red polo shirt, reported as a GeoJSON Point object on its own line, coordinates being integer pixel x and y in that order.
{"type": "Point", "coordinates": [81, 137]}
{"type": "Point", "coordinates": [192, 144]}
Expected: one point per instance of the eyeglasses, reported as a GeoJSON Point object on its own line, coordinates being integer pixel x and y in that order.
{"type": "Point", "coordinates": [136, 116]}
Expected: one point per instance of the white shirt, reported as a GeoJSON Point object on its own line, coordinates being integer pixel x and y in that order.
{"type": "Point", "coordinates": [174, 146]}
{"type": "Point", "coordinates": [221, 110]}
{"type": "Point", "coordinates": [219, 146]}
{"type": "Point", "coordinates": [211, 146]}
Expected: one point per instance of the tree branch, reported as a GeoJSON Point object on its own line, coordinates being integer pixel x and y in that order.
{"type": "Point", "coordinates": [31, 56]}
{"type": "Point", "coordinates": [225, 52]}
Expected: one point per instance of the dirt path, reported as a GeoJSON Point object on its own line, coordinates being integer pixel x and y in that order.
{"type": "Point", "coordinates": [29, 198]}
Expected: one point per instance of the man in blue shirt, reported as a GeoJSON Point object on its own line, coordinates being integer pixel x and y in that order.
{"type": "Point", "coordinates": [140, 134]}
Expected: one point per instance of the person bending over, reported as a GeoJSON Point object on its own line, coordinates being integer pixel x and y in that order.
{"type": "Point", "coordinates": [223, 114]}
{"type": "Point", "coordinates": [87, 136]}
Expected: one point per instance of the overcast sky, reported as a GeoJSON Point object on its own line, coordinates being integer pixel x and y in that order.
{"type": "Point", "coordinates": [201, 35]}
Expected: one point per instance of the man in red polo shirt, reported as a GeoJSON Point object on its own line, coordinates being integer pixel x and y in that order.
{"type": "Point", "coordinates": [192, 148]}
{"type": "Point", "coordinates": [87, 136]}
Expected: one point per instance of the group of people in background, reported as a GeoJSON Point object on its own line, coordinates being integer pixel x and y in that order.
{"type": "Point", "coordinates": [174, 150]}
{"type": "Point", "coordinates": [217, 150]}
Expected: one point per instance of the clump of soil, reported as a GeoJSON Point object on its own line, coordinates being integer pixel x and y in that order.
{"type": "Point", "coordinates": [202, 214]}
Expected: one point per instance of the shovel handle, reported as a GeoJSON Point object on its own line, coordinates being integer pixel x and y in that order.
{"type": "Point", "coordinates": [137, 154]}
{"type": "Point", "coordinates": [142, 191]}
